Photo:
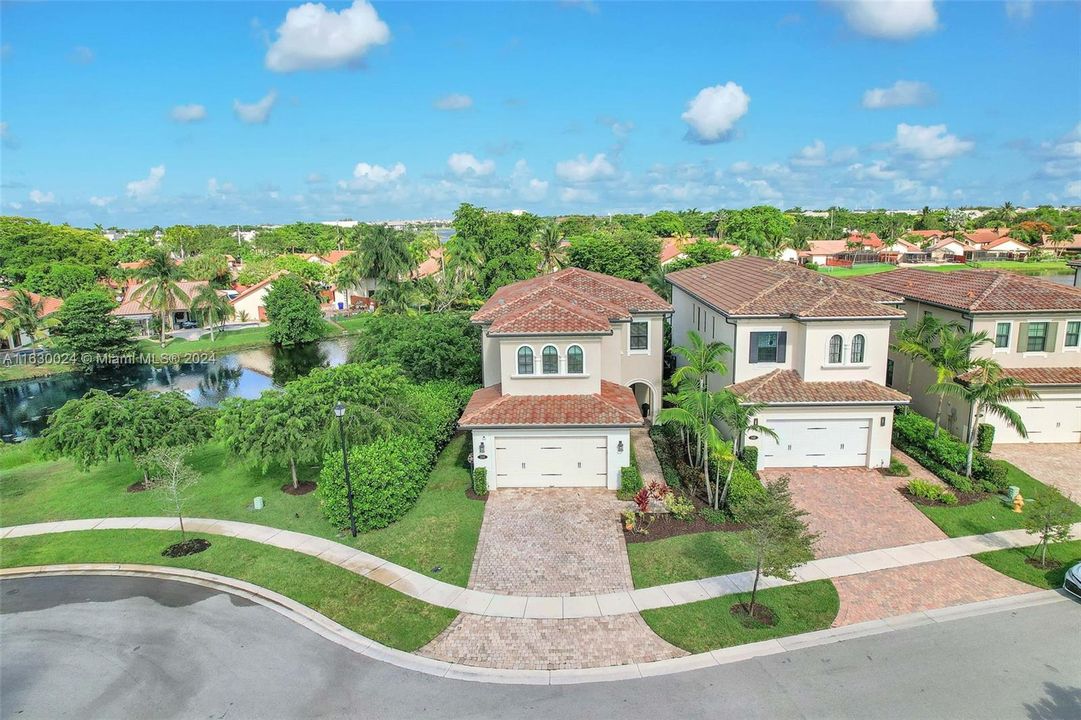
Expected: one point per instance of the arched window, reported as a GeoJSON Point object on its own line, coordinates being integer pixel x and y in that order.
{"type": "Point", "coordinates": [857, 349]}
{"type": "Point", "coordinates": [835, 349]}
{"type": "Point", "coordinates": [575, 360]}
{"type": "Point", "coordinates": [550, 360]}
{"type": "Point", "coordinates": [525, 361]}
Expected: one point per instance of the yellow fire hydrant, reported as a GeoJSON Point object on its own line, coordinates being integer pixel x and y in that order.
{"type": "Point", "coordinates": [1018, 503]}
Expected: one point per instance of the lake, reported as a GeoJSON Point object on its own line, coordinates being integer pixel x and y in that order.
{"type": "Point", "coordinates": [25, 405]}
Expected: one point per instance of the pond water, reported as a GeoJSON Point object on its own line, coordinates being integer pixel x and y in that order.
{"type": "Point", "coordinates": [25, 406]}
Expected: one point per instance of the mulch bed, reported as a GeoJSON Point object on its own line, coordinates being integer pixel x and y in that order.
{"type": "Point", "coordinates": [962, 498]}
{"type": "Point", "coordinates": [188, 547]}
{"type": "Point", "coordinates": [473, 496]}
{"type": "Point", "coordinates": [762, 615]}
{"type": "Point", "coordinates": [1035, 562]}
{"type": "Point", "coordinates": [137, 487]}
{"type": "Point", "coordinates": [663, 525]}
{"type": "Point", "coordinates": [303, 489]}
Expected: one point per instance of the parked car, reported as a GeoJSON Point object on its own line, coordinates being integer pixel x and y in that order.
{"type": "Point", "coordinates": [1072, 584]}
{"type": "Point", "coordinates": [187, 324]}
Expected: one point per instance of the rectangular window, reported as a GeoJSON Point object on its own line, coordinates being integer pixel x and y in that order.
{"type": "Point", "coordinates": [767, 347]}
{"type": "Point", "coordinates": [1037, 337]}
{"type": "Point", "coordinates": [640, 335]}
{"type": "Point", "coordinates": [1002, 335]}
{"type": "Point", "coordinates": [1073, 333]}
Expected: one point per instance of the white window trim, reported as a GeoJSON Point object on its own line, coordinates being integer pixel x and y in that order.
{"type": "Point", "coordinates": [844, 352]}
{"type": "Point", "coordinates": [567, 361]}
{"type": "Point", "coordinates": [559, 362]}
{"type": "Point", "coordinates": [1065, 333]}
{"type": "Point", "coordinates": [533, 352]}
{"type": "Point", "coordinates": [649, 337]}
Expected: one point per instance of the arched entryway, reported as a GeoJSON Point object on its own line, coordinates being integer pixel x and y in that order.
{"type": "Point", "coordinates": [646, 398]}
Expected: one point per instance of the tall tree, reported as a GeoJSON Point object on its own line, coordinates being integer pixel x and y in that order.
{"type": "Point", "coordinates": [384, 253]}
{"type": "Point", "coordinates": [214, 307]}
{"type": "Point", "coordinates": [952, 356]}
{"type": "Point", "coordinates": [86, 329]}
{"type": "Point", "coordinates": [23, 314]}
{"type": "Point", "coordinates": [917, 342]}
{"type": "Point", "coordinates": [293, 313]}
{"type": "Point", "coordinates": [550, 247]}
{"type": "Point", "coordinates": [269, 431]}
{"type": "Point", "coordinates": [161, 289]}
{"type": "Point", "coordinates": [701, 359]}
{"type": "Point", "coordinates": [697, 412]}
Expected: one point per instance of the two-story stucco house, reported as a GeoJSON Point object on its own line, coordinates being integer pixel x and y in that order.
{"type": "Point", "coordinates": [1035, 331]}
{"type": "Point", "coordinates": [572, 361]}
{"type": "Point", "coordinates": [811, 348]}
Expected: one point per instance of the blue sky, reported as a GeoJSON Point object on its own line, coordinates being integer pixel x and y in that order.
{"type": "Point", "coordinates": [157, 113]}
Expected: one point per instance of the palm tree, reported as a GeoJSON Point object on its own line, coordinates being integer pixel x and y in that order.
{"type": "Point", "coordinates": [421, 247]}
{"type": "Point", "coordinates": [987, 390]}
{"type": "Point", "coordinates": [213, 306]}
{"type": "Point", "coordinates": [952, 356]}
{"type": "Point", "coordinates": [398, 297]}
{"type": "Point", "coordinates": [697, 412]}
{"type": "Point", "coordinates": [23, 314]}
{"type": "Point", "coordinates": [917, 342]}
{"type": "Point", "coordinates": [349, 272]}
{"type": "Point", "coordinates": [703, 359]}
{"type": "Point", "coordinates": [550, 247]}
{"type": "Point", "coordinates": [463, 257]}
{"type": "Point", "coordinates": [739, 415]}
{"type": "Point", "coordinates": [160, 289]}
{"type": "Point", "coordinates": [384, 254]}
{"type": "Point", "coordinates": [1007, 212]}
{"type": "Point", "coordinates": [656, 282]}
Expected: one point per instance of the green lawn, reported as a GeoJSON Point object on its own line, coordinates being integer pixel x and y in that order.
{"type": "Point", "coordinates": [708, 624]}
{"type": "Point", "coordinates": [354, 323]}
{"type": "Point", "coordinates": [988, 515]}
{"type": "Point", "coordinates": [857, 270]}
{"type": "Point", "coordinates": [1012, 562]}
{"type": "Point", "coordinates": [685, 557]}
{"type": "Point", "coordinates": [441, 530]}
{"type": "Point", "coordinates": [1043, 267]}
{"type": "Point", "coordinates": [15, 372]}
{"type": "Point", "coordinates": [363, 605]}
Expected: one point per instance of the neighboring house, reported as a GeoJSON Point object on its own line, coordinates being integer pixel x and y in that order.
{"type": "Point", "coordinates": [16, 339]}
{"type": "Point", "coordinates": [1005, 247]}
{"type": "Point", "coordinates": [139, 313]}
{"type": "Point", "coordinates": [1035, 327]}
{"type": "Point", "coordinates": [672, 250]}
{"type": "Point", "coordinates": [810, 347]}
{"type": "Point", "coordinates": [819, 252]}
{"type": "Point", "coordinates": [572, 361]}
{"type": "Point", "coordinates": [950, 249]}
{"type": "Point", "coordinates": [1076, 265]}
{"type": "Point", "coordinates": [1070, 247]}
{"type": "Point", "coordinates": [251, 301]}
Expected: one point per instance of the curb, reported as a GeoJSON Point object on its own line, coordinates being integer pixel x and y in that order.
{"type": "Point", "coordinates": [327, 628]}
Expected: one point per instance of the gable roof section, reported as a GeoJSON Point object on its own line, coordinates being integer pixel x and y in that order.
{"type": "Point", "coordinates": [49, 305]}
{"type": "Point", "coordinates": [257, 286]}
{"type": "Point", "coordinates": [825, 247]}
{"type": "Point", "coordinates": [567, 301]}
{"type": "Point", "coordinates": [1002, 241]}
{"type": "Point", "coordinates": [757, 287]}
{"type": "Point", "coordinates": [614, 405]}
{"type": "Point", "coordinates": [782, 387]}
{"type": "Point", "coordinates": [977, 291]}
{"type": "Point", "coordinates": [137, 306]}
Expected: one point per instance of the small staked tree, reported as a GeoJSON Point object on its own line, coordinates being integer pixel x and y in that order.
{"type": "Point", "coordinates": [171, 477]}
{"type": "Point", "coordinates": [1049, 516]}
{"type": "Point", "coordinates": [777, 537]}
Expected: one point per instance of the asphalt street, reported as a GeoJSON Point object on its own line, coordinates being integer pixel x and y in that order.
{"type": "Point", "coordinates": [120, 647]}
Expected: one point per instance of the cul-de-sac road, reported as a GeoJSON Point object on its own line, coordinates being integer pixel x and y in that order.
{"type": "Point", "coordinates": [123, 647]}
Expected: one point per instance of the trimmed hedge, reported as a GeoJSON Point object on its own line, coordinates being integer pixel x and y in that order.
{"type": "Point", "coordinates": [749, 456]}
{"type": "Point", "coordinates": [630, 482]}
{"type": "Point", "coordinates": [985, 437]}
{"type": "Point", "coordinates": [480, 480]}
{"type": "Point", "coordinates": [945, 455]}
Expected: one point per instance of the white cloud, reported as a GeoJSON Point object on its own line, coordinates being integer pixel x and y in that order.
{"type": "Point", "coordinates": [930, 142]}
{"type": "Point", "coordinates": [1073, 189]}
{"type": "Point", "coordinates": [889, 19]}
{"type": "Point", "coordinates": [620, 128]}
{"type": "Point", "coordinates": [714, 110]}
{"type": "Point", "coordinates": [217, 190]}
{"type": "Point", "coordinates": [1020, 10]}
{"type": "Point", "coordinates": [139, 189]}
{"type": "Point", "coordinates": [314, 178]}
{"type": "Point", "coordinates": [529, 188]}
{"type": "Point", "coordinates": [741, 167]}
{"type": "Point", "coordinates": [257, 112]}
{"type": "Point", "coordinates": [188, 113]}
{"type": "Point", "coordinates": [1062, 156]}
{"type": "Point", "coordinates": [454, 101]}
{"type": "Point", "coordinates": [760, 189]}
{"type": "Point", "coordinates": [876, 171]}
{"type": "Point", "coordinates": [368, 177]}
{"type": "Point", "coordinates": [583, 169]}
{"type": "Point", "coordinates": [41, 198]}
{"type": "Point", "coordinates": [15, 205]}
{"type": "Point", "coordinates": [81, 55]}
{"type": "Point", "coordinates": [466, 163]}
{"type": "Point", "coordinates": [98, 201]}
{"type": "Point", "coordinates": [578, 195]}
{"type": "Point", "coordinates": [811, 156]}
{"type": "Point", "coordinates": [315, 38]}
{"type": "Point", "coordinates": [903, 93]}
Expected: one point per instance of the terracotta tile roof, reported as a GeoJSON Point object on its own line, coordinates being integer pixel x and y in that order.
{"type": "Point", "coordinates": [870, 240]}
{"type": "Point", "coordinates": [1073, 244]}
{"type": "Point", "coordinates": [977, 291]}
{"type": "Point", "coordinates": [1039, 375]}
{"type": "Point", "coordinates": [787, 387]}
{"type": "Point", "coordinates": [613, 405]}
{"type": "Point", "coordinates": [754, 286]}
{"type": "Point", "coordinates": [49, 304]}
{"type": "Point", "coordinates": [334, 256]}
{"type": "Point", "coordinates": [949, 239]}
{"type": "Point", "coordinates": [982, 236]}
{"type": "Point", "coordinates": [133, 306]}
{"type": "Point", "coordinates": [574, 300]}
{"type": "Point", "coordinates": [824, 247]}
{"type": "Point", "coordinates": [1002, 241]}
{"type": "Point", "coordinates": [672, 249]}
{"type": "Point", "coordinates": [927, 233]}
{"type": "Point", "coordinates": [433, 264]}
{"type": "Point", "coordinates": [252, 288]}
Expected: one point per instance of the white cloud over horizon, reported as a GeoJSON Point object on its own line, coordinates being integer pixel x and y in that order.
{"type": "Point", "coordinates": [148, 186]}
{"type": "Point", "coordinates": [582, 169]}
{"type": "Point", "coordinates": [41, 198]}
{"type": "Point", "coordinates": [930, 142]}
{"type": "Point", "coordinates": [453, 101]}
{"type": "Point", "coordinates": [713, 112]}
{"type": "Point", "coordinates": [903, 93]}
{"type": "Point", "coordinates": [188, 113]}
{"type": "Point", "coordinates": [462, 164]}
{"type": "Point", "coordinates": [889, 19]}
{"type": "Point", "coordinates": [314, 38]}
{"type": "Point", "coordinates": [258, 112]}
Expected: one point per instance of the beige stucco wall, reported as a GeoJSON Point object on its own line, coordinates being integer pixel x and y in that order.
{"type": "Point", "coordinates": [815, 346]}
{"type": "Point", "coordinates": [1058, 356]}
{"type": "Point", "coordinates": [559, 384]}
{"type": "Point", "coordinates": [251, 303]}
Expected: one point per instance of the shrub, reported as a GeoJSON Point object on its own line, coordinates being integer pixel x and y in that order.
{"type": "Point", "coordinates": [997, 478]}
{"type": "Point", "coordinates": [945, 455]}
{"type": "Point", "coordinates": [985, 437]}
{"type": "Point", "coordinates": [387, 475]}
{"type": "Point", "coordinates": [432, 346]}
{"type": "Point", "coordinates": [680, 507]}
{"type": "Point", "coordinates": [897, 468]}
{"type": "Point", "coordinates": [662, 436]}
{"type": "Point", "coordinates": [749, 457]}
{"type": "Point", "coordinates": [630, 482]}
{"type": "Point", "coordinates": [480, 481]}
{"type": "Point", "coordinates": [744, 487]}
{"type": "Point", "coordinates": [713, 517]}
{"type": "Point", "coordinates": [435, 409]}
{"type": "Point", "coordinates": [931, 491]}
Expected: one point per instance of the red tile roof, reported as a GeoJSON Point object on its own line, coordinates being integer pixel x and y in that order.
{"type": "Point", "coordinates": [824, 247]}
{"type": "Point", "coordinates": [672, 249]}
{"type": "Point", "coordinates": [1040, 375]}
{"type": "Point", "coordinates": [433, 264]}
{"type": "Point", "coordinates": [137, 306]}
{"type": "Point", "coordinates": [1003, 240]}
{"type": "Point", "coordinates": [927, 233]}
{"type": "Point", "coordinates": [49, 305]}
{"type": "Point", "coordinates": [782, 387]}
{"type": "Point", "coordinates": [573, 300]}
{"type": "Point", "coordinates": [977, 291]}
{"type": "Point", "coordinates": [755, 287]}
{"type": "Point", "coordinates": [334, 256]}
{"type": "Point", "coordinates": [982, 236]}
{"type": "Point", "coordinates": [869, 240]}
{"type": "Point", "coordinates": [252, 288]}
{"type": "Point", "coordinates": [614, 405]}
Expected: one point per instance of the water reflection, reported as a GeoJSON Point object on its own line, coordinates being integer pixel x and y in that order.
{"type": "Point", "coordinates": [25, 406]}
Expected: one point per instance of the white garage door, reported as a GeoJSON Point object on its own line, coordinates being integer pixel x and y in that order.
{"type": "Point", "coordinates": [1047, 420]}
{"type": "Point", "coordinates": [815, 443]}
{"type": "Point", "coordinates": [551, 462]}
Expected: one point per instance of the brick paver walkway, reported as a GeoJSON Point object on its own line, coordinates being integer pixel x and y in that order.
{"type": "Point", "coordinates": [902, 590]}
{"type": "Point", "coordinates": [1052, 463]}
{"type": "Point", "coordinates": [551, 541]}
{"type": "Point", "coordinates": [523, 644]}
{"type": "Point", "coordinates": [649, 467]}
{"type": "Point", "coordinates": [856, 509]}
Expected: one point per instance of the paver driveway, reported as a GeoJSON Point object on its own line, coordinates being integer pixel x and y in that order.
{"type": "Point", "coordinates": [856, 509]}
{"type": "Point", "coordinates": [1057, 464]}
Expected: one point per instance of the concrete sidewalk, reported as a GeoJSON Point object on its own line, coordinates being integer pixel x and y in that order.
{"type": "Point", "coordinates": [489, 604]}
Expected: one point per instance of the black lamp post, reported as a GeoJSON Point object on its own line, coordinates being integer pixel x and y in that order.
{"type": "Point", "coordinates": [339, 410]}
